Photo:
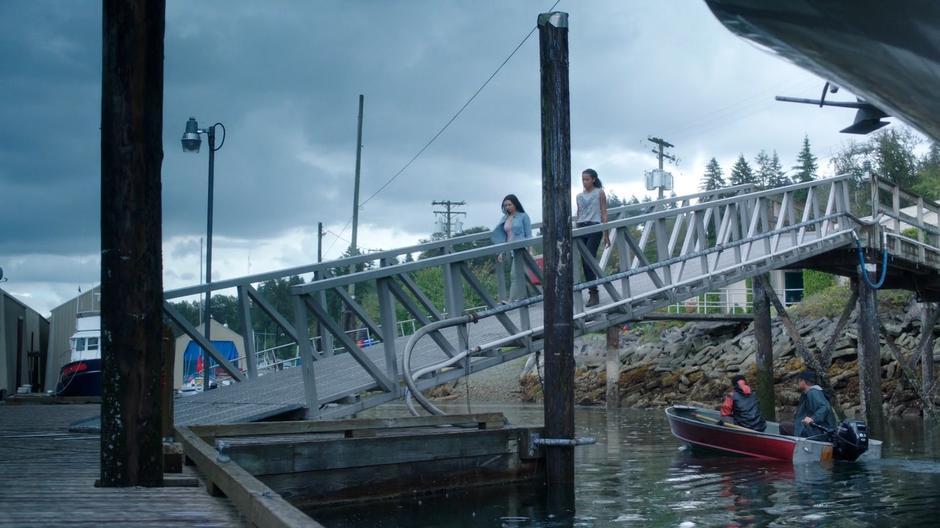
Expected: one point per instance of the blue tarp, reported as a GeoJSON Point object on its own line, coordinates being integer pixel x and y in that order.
{"type": "Point", "coordinates": [193, 353]}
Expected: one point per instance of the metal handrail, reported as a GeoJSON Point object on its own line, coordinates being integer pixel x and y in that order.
{"type": "Point", "coordinates": [347, 262]}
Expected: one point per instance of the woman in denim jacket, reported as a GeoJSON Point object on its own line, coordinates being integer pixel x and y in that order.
{"type": "Point", "coordinates": [514, 225]}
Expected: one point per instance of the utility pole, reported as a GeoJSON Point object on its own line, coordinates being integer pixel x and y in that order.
{"type": "Point", "coordinates": [319, 242]}
{"type": "Point", "coordinates": [131, 233]}
{"type": "Point", "coordinates": [661, 145]}
{"type": "Point", "coordinates": [355, 218]}
{"type": "Point", "coordinates": [449, 214]}
{"type": "Point", "coordinates": [558, 273]}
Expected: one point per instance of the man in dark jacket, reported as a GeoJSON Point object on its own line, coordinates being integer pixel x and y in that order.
{"type": "Point", "coordinates": [741, 405]}
{"type": "Point", "coordinates": [813, 408]}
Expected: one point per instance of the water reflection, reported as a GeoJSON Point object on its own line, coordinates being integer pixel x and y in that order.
{"type": "Point", "coordinates": [639, 475]}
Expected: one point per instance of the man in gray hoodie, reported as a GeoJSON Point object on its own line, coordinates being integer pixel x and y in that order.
{"type": "Point", "coordinates": [813, 408]}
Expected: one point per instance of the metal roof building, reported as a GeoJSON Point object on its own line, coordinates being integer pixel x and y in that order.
{"type": "Point", "coordinates": [23, 338]}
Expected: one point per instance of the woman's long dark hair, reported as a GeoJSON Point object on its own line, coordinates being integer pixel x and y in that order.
{"type": "Point", "coordinates": [593, 174]}
{"type": "Point", "coordinates": [515, 202]}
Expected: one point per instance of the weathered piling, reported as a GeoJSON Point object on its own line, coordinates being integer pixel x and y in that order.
{"type": "Point", "coordinates": [613, 367]}
{"type": "Point", "coordinates": [764, 355]}
{"type": "Point", "coordinates": [556, 233]}
{"type": "Point", "coordinates": [869, 356]}
{"type": "Point", "coordinates": [131, 257]}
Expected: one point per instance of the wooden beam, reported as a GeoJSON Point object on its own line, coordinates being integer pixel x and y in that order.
{"type": "Point", "coordinates": [482, 420]}
{"type": "Point", "coordinates": [258, 503]}
{"type": "Point", "coordinates": [826, 353]}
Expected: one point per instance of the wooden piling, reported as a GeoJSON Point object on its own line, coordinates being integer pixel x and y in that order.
{"type": "Point", "coordinates": [131, 257]}
{"type": "Point", "coordinates": [613, 367]}
{"type": "Point", "coordinates": [556, 233]}
{"type": "Point", "coordinates": [929, 321]}
{"type": "Point", "coordinates": [869, 357]}
{"type": "Point", "coordinates": [765, 348]}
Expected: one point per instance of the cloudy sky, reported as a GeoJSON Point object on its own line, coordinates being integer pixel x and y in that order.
{"type": "Point", "coordinates": [284, 78]}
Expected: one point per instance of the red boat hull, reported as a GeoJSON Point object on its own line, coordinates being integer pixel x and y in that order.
{"type": "Point", "coordinates": [756, 445]}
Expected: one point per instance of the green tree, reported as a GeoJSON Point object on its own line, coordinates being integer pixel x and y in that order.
{"type": "Point", "coordinates": [928, 174]}
{"type": "Point", "coordinates": [776, 177]}
{"type": "Point", "coordinates": [806, 164]}
{"type": "Point", "coordinates": [741, 172]}
{"type": "Point", "coordinates": [713, 178]}
{"type": "Point", "coordinates": [762, 170]}
{"type": "Point", "coordinates": [895, 158]}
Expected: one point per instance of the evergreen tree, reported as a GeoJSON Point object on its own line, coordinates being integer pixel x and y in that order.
{"type": "Point", "coordinates": [805, 168]}
{"type": "Point", "coordinates": [776, 177]}
{"type": "Point", "coordinates": [928, 174]}
{"type": "Point", "coordinates": [741, 172]}
{"type": "Point", "coordinates": [713, 178]}
{"type": "Point", "coordinates": [763, 170]}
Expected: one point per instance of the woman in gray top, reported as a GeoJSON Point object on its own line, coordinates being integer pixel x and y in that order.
{"type": "Point", "coordinates": [592, 210]}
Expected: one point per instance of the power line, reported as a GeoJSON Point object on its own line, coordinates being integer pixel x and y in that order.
{"type": "Point", "coordinates": [446, 125]}
{"type": "Point", "coordinates": [456, 114]}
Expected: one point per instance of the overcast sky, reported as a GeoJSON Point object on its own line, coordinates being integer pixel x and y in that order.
{"type": "Point", "coordinates": [284, 77]}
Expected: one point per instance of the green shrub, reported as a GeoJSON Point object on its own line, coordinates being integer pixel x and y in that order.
{"type": "Point", "coordinates": [815, 282]}
{"type": "Point", "coordinates": [827, 302]}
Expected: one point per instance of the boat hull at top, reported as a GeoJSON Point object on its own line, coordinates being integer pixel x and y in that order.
{"type": "Point", "coordinates": [80, 378]}
{"type": "Point", "coordinates": [690, 425]}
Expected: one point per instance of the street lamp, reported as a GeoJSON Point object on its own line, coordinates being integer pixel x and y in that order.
{"type": "Point", "coordinates": [191, 142]}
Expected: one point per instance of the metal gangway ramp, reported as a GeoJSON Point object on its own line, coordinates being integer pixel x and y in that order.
{"type": "Point", "coordinates": [662, 252]}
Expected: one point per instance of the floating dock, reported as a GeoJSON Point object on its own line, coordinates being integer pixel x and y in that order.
{"type": "Point", "coordinates": [49, 479]}
{"type": "Point", "coordinates": [270, 469]}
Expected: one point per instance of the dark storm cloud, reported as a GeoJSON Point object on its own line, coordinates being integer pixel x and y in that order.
{"type": "Point", "coordinates": [284, 79]}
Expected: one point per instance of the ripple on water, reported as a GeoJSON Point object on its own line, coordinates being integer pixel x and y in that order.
{"type": "Point", "coordinates": [630, 518]}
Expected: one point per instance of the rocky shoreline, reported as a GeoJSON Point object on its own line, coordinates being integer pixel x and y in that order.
{"type": "Point", "coordinates": [662, 364]}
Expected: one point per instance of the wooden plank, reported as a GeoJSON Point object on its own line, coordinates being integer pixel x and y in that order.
{"type": "Point", "coordinates": [388, 481]}
{"type": "Point", "coordinates": [336, 426]}
{"type": "Point", "coordinates": [256, 501]}
{"type": "Point", "coordinates": [292, 456]}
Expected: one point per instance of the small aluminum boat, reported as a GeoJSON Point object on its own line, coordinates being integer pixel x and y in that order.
{"type": "Point", "coordinates": [704, 429]}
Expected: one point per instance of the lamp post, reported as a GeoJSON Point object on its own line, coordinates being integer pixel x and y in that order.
{"type": "Point", "coordinates": [191, 142]}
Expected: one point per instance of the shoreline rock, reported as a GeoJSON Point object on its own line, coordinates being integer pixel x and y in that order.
{"type": "Point", "coordinates": [663, 364]}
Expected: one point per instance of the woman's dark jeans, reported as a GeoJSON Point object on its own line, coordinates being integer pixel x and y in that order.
{"type": "Point", "coordinates": [592, 241]}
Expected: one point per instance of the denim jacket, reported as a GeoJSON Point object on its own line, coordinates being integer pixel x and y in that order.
{"type": "Point", "coordinates": [521, 228]}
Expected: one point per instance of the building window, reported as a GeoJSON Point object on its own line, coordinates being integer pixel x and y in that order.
{"type": "Point", "coordinates": [78, 344]}
{"type": "Point", "coordinates": [92, 343]}
{"type": "Point", "coordinates": [793, 286]}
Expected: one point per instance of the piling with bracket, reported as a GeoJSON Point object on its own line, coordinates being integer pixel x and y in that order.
{"type": "Point", "coordinates": [556, 241]}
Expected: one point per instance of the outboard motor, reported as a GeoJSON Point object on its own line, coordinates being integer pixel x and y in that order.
{"type": "Point", "coordinates": [849, 440]}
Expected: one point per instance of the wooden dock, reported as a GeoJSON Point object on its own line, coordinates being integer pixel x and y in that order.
{"type": "Point", "coordinates": [48, 477]}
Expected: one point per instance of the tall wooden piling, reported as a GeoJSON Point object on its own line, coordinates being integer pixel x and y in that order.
{"type": "Point", "coordinates": [765, 348]}
{"type": "Point", "coordinates": [556, 233]}
{"type": "Point", "coordinates": [869, 356]}
{"type": "Point", "coordinates": [131, 257]}
{"type": "Point", "coordinates": [613, 367]}
{"type": "Point", "coordinates": [928, 321]}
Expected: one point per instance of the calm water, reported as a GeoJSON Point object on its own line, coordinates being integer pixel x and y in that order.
{"type": "Point", "coordinates": [638, 474]}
